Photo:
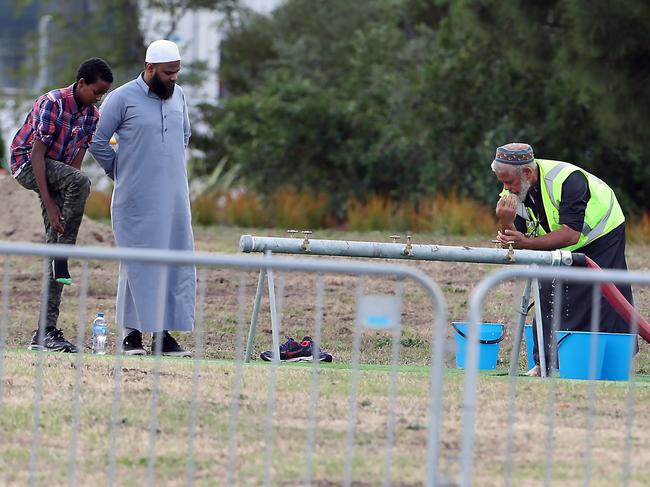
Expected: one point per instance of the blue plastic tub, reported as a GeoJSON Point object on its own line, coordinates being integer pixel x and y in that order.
{"type": "Point", "coordinates": [530, 344]}
{"type": "Point", "coordinates": [490, 335]}
{"type": "Point", "coordinates": [613, 354]}
{"type": "Point", "coordinates": [575, 350]}
{"type": "Point", "coordinates": [619, 350]}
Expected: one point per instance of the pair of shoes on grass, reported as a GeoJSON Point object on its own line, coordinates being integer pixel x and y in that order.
{"type": "Point", "coordinates": [293, 351]}
{"type": "Point", "coordinates": [132, 345]}
{"type": "Point", "coordinates": [51, 341]}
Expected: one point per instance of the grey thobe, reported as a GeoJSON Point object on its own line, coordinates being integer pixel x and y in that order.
{"type": "Point", "coordinates": [151, 204]}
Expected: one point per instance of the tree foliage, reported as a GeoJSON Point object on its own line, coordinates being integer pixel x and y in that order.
{"type": "Point", "coordinates": [601, 48]}
{"type": "Point", "coordinates": [176, 10]}
{"type": "Point", "coordinates": [593, 61]}
{"type": "Point", "coordinates": [107, 29]}
{"type": "Point", "coordinates": [410, 97]}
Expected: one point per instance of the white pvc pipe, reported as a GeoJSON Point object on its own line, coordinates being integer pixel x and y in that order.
{"type": "Point", "coordinates": [346, 248]}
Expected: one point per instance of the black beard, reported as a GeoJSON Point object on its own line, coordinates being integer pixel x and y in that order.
{"type": "Point", "coordinates": [164, 91]}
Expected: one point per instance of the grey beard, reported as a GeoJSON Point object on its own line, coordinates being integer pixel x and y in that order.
{"type": "Point", "coordinates": [521, 195]}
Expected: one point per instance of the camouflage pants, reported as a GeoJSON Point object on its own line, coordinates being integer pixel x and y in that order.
{"type": "Point", "coordinates": [69, 188]}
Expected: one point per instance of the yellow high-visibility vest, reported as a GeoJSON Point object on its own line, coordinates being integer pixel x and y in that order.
{"type": "Point", "coordinates": [602, 215]}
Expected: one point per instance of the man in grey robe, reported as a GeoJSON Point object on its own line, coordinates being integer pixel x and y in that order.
{"type": "Point", "coordinates": [151, 205]}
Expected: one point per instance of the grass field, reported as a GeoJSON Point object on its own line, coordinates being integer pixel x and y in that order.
{"type": "Point", "coordinates": [290, 419]}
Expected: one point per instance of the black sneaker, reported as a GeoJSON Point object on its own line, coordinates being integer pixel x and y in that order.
{"type": "Point", "coordinates": [132, 344]}
{"type": "Point", "coordinates": [170, 346]}
{"type": "Point", "coordinates": [322, 355]}
{"type": "Point", "coordinates": [53, 341]}
{"type": "Point", "coordinates": [293, 351]}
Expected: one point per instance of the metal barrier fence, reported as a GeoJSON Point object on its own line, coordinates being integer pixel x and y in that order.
{"type": "Point", "coordinates": [384, 413]}
{"type": "Point", "coordinates": [572, 432]}
{"type": "Point", "coordinates": [81, 418]}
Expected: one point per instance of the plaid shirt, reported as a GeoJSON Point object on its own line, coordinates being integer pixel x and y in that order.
{"type": "Point", "coordinates": [59, 123]}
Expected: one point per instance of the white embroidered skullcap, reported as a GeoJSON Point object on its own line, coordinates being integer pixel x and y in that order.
{"type": "Point", "coordinates": [162, 51]}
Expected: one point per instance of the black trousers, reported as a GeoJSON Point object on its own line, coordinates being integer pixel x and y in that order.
{"type": "Point", "coordinates": [575, 307]}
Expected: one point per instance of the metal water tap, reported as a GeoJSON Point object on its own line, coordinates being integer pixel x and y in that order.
{"type": "Point", "coordinates": [292, 233]}
{"type": "Point", "coordinates": [305, 242]}
{"type": "Point", "coordinates": [395, 238]}
{"type": "Point", "coordinates": [510, 256]}
{"type": "Point", "coordinates": [408, 250]}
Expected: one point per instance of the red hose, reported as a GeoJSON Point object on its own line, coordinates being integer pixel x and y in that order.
{"type": "Point", "coordinates": [621, 305]}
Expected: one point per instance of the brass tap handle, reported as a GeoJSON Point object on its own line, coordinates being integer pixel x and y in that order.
{"type": "Point", "coordinates": [408, 250]}
{"type": "Point", "coordinates": [305, 243]}
{"type": "Point", "coordinates": [511, 253]}
{"type": "Point", "coordinates": [395, 238]}
{"type": "Point", "coordinates": [510, 256]}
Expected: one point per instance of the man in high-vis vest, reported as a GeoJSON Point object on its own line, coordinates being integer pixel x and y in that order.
{"type": "Point", "coordinates": [549, 205]}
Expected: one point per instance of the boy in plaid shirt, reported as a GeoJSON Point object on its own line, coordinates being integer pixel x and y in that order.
{"type": "Point", "coordinates": [46, 156]}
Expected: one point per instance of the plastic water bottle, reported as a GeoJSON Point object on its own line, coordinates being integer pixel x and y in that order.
{"type": "Point", "coordinates": [100, 330]}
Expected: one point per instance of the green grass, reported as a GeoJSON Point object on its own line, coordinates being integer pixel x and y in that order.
{"type": "Point", "coordinates": [291, 422]}
{"type": "Point", "coordinates": [291, 412]}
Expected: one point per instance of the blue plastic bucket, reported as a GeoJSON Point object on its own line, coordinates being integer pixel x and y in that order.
{"type": "Point", "coordinates": [574, 353]}
{"type": "Point", "coordinates": [490, 335]}
{"type": "Point", "coordinates": [615, 362]}
{"type": "Point", "coordinates": [530, 344]}
{"type": "Point", "coordinates": [619, 350]}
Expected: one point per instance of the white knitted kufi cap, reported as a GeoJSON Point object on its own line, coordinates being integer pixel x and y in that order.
{"type": "Point", "coordinates": [162, 51]}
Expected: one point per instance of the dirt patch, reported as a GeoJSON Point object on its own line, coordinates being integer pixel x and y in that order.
{"type": "Point", "coordinates": [21, 220]}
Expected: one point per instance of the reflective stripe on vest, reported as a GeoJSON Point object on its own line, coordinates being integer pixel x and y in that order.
{"type": "Point", "coordinates": [552, 172]}
{"type": "Point", "coordinates": [549, 178]}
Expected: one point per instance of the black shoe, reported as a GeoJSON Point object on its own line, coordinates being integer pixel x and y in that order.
{"type": "Point", "coordinates": [293, 351]}
{"type": "Point", "coordinates": [322, 355]}
{"type": "Point", "coordinates": [132, 344]}
{"type": "Point", "coordinates": [53, 341]}
{"type": "Point", "coordinates": [170, 346]}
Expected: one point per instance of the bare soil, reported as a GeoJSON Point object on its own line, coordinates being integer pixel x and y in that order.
{"type": "Point", "coordinates": [223, 313]}
{"type": "Point", "coordinates": [21, 220]}
{"type": "Point", "coordinates": [229, 294]}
